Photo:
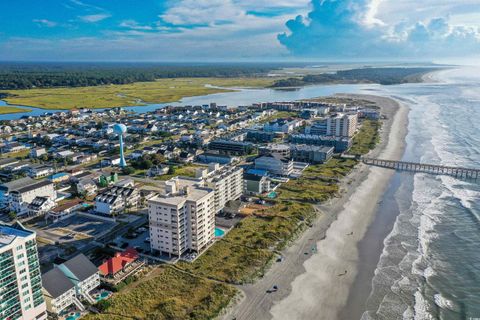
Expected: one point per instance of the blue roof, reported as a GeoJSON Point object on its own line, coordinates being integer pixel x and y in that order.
{"type": "Point", "coordinates": [58, 175]}
{"type": "Point", "coordinates": [258, 172]}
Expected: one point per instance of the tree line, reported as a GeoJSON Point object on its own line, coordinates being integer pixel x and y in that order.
{"type": "Point", "coordinates": [48, 75]}
{"type": "Point", "coordinates": [385, 76]}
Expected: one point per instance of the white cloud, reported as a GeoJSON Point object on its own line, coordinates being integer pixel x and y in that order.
{"type": "Point", "coordinates": [45, 23]}
{"type": "Point", "coordinates": [134, 25]}
{"type": "Point", "coordinates": [94, 17]}
{"type": "Point", "coordinates": [187, 12]}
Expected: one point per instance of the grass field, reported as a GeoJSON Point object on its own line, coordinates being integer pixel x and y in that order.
{"type": "Point", "coordinates": [160, 91]}
{"type": "Point", "coordinates": [8, 109]}
{"type": "Point", "coordinates": [185, 171]}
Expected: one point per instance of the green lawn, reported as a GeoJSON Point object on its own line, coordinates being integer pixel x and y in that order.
{"type": "Point", "coordinates": [185, 171]}
{"type": "Point", "coordinates": [160, 91]}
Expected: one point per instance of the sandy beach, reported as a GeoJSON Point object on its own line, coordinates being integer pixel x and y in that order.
{"type": "Point", "coordinates": [316, 286]}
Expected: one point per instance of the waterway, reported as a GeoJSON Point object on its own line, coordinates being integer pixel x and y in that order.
{"type": "Point", "coordinates": [236, 98]}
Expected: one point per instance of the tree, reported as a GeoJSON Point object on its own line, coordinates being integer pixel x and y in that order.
{"type": "Point", "coordinates": [12, 215]}
{"type": "Point", "coordinates": [128, 170]}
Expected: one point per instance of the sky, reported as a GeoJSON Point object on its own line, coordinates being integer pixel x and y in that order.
{"type": "Point", "coordinates": [238, 30]}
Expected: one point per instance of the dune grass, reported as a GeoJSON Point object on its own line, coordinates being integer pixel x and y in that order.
{"type": "Point", "coordinates": [108, 96]}
{"type": "Point", "coordinates": [366, 138]}
{"type": "Point", "coordinates": [168, 294]}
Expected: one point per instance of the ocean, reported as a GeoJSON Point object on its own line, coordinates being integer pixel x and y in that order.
{"type": "Point", "coordinates": [430, 264]}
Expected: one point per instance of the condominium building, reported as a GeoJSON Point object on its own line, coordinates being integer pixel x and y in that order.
{"type": "Point", "coordinates": [311, 154]}
{"type": "Point", "coordinates": [182, 219]}
{"type": "Point", "coordinates": [21, 295]}
{"type": "Point", "coordinates": [278, 148]}
{"type": "Point", "coordinates": [226, 182]}
{"type": "Point", "coordinates": [275, 164]}
{"type": "Point", "coordinates": [20, 193]}
{"type": "Point", "coordinates": [339, 125]}
{"type": "Point", "coordinates": [340, 144]}
{"type": "Point", "coordinates": [231, 147]}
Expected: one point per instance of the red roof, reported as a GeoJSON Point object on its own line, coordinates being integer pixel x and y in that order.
{"type": "Point", "coordinates": [118, 262]}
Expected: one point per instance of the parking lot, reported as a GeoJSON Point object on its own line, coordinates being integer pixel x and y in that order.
{"type": "Point", "coordinates": [137, 240]}
{"type": "Point", "coordinates": [76, 227]}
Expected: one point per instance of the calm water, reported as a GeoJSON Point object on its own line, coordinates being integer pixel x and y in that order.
{"type": "Point", "coordinates": [241, 97]}
{"type": "Point", "coordinates": [430, 265]}
{"type": "Point", "coordinates": [13, 116]}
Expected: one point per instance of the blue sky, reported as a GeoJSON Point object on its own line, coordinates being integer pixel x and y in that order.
{"type": "Point", "coordinates": [208, 30]}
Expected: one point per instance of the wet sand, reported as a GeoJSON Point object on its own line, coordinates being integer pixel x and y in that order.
{"type": "Point", "coordinates": [316, 286]}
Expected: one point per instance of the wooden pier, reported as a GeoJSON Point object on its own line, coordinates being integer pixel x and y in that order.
{"type": "Point", "coordinates": [458, 172]}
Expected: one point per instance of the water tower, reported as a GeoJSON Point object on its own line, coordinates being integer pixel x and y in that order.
{"type": "Point", "coordinates": [121, 129]}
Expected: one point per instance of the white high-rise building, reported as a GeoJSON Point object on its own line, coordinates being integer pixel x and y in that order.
{"type": "Point", "coordinates": [182, 219]}
{"type": "Point", "coordinates": [340, 125]}
{"type": "Point", "coordinates": [226, 181]}
{"type": "Point", "coordinates": [21, 296]}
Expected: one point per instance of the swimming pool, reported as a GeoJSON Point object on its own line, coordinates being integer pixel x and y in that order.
{"type": "Point", "coordinates": [219, 232]}
{"type": "Point", "coordinates": [272, 195]}
{"type": "Point", "coordinates": [74, 316]}
{"type": "Point", "coordinates": [102, 295]}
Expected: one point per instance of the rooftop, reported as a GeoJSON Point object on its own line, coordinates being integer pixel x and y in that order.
{"type": "Point", "coordinates": [118, 262]}
{"type": "Point", "coordinates": [56, 283]}
{"type": "Point", "coordinates": [194, 194]}
{"type": "Point", "coordinates": [17, 184]}
{"type": "Point", "coordinates": [9, 233]}
{"type": "Point", "coordinates": [81, 267]}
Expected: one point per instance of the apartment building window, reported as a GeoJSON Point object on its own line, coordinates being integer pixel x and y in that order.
{"type": "Point", "coordinates": [20, 247]}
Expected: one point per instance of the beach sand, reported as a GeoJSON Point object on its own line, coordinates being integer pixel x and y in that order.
{"type": "Point", "coordinates": [315, 285]}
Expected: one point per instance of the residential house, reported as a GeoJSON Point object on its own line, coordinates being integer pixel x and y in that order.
{"type": "Point", "coordinates": [116, 199]}
{"type": "Point", "coordinates": [256, 184]}
{"type": "Point", "coordinates": [119, 262]}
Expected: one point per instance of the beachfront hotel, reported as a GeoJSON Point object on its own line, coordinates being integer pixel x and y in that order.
{"type": "Point", "coordinates": [21, 296]}
{"type": "Point", "coordinates": [182, 219]}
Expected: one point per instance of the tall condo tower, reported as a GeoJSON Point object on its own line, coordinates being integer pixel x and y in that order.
{"type": "Point", "coordinates": [121, 129]}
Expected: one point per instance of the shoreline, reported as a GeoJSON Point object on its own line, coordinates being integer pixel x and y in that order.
{"type": "Point", "coordinates": [303, 277]}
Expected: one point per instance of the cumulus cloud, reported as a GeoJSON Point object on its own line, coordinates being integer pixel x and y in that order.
{"type": "Point", "coordinates": [354, 29]}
